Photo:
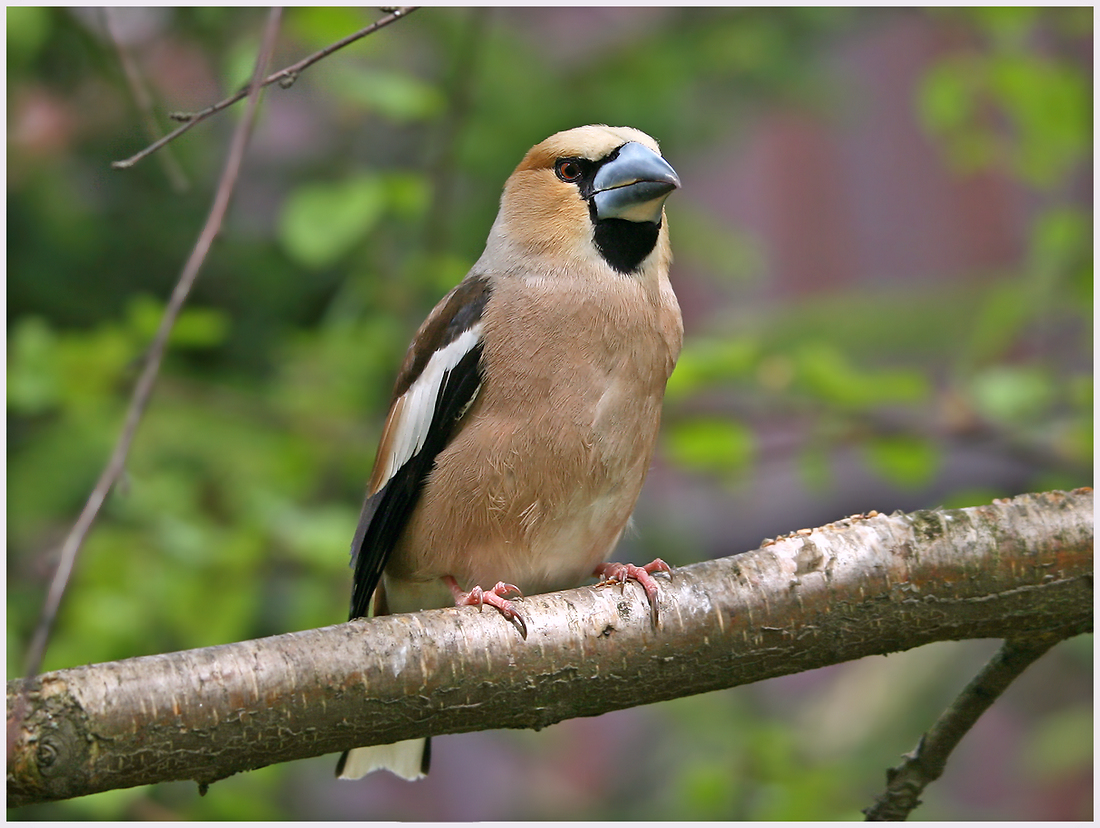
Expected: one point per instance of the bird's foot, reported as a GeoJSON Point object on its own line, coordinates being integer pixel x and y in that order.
{"type": "Point", "coordinates": [478, 597]}
{"type": "Point", "coordinates": [621, 573]}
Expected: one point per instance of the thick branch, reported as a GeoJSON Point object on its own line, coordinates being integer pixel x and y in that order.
{"type": "Point", "coordinates": [861, 586]}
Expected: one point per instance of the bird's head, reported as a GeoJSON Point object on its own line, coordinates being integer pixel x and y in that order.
{"type": "Point", "coordinates": [590, 191]}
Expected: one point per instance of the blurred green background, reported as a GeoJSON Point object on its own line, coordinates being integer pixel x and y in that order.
{"type": "Point", "coordinates": [884, 257]}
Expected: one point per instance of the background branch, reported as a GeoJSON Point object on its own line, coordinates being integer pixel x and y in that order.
{"type": "Point", "coordinates": [142, 98]}
{"type": "Point", "coordinates": [153, 357]}
{"type": "Point", "coordinates": [857, 587]}
{"type": "Point", "coordinates": [285, 77]}
{"type": "Point", "coordinates": [926, 762]}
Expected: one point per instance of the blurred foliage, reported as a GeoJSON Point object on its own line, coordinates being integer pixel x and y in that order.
{"type": "Point", "coordinates": [1008, 104]}
{"type": "Point", "coordinates": [367, 193]}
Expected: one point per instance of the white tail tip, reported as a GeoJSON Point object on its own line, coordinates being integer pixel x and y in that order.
{"type": "Point", "coordinates": [408, 759]}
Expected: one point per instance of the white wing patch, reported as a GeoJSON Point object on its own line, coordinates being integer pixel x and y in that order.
{"type": "Point", "coordinates": [413, 411]}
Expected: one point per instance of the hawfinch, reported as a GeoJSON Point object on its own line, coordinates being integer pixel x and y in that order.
{"type": "Point", "coordinates": [526, 411]}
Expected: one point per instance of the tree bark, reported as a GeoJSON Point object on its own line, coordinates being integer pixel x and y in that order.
{"type": "Point", "coordinates": [869, 584]}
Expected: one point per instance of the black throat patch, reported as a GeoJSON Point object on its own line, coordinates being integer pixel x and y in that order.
{"type": "Point", "coordinates": [624, 244]}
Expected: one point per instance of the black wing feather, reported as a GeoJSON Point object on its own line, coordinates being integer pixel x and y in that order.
{"type": "Point", "coordinates": [386, 513]}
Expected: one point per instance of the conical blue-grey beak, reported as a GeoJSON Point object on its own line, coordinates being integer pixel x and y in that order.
{"type": "Point", "coordinates": [634, 185]}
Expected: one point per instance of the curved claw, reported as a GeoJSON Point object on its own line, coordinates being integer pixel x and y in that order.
{"type": "Point", "coordinates": [621, 573]}
{"type": "Point", "coordinates": [503, 589]}
{"type": "Point", "coordinates": [510, 613]}
{"type": "Point", "coordinates": [478, 597]}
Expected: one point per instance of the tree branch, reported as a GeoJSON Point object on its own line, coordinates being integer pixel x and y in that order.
{"type": "Point", "coordinates": [285, 77]}
{"type": "Point", "coordinates": [926, 762]}
{"type": "Point", "coordinates": [861, 586]}
{"type": "Point", "coordinates": [142, 98]}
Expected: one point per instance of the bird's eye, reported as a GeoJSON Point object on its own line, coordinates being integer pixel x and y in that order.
{"type": "Point", "coordinates": [568, 170]}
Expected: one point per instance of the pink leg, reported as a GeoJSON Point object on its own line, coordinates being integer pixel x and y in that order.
{"type": "Point", "coordinates": [620, 572]}
{"type": "Point", "coordinates": [494, 597]}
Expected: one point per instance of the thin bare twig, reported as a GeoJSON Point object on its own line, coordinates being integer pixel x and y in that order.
{"type": "Point", "coordinates": [143, 390]}
{"type": "Point", "coordinates": [285, 77]}
{"type": "Point", "coordinates": [925, 763]}
{"type": "Point", "coordinates": [143, 100]}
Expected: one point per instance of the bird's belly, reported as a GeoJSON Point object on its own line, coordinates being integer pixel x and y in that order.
{"type": "Point", "coordinates": [560, 554]}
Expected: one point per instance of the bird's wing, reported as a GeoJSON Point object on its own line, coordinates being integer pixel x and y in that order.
{"type": "Point", "coordinates": [438, 382]}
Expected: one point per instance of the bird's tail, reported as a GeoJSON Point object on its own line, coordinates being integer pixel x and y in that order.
{"type": "Point", "coordinates": [408, 759]}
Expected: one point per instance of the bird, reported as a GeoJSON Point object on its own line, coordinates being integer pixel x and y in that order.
{"type": "Point", "coordinates": [525, 414]}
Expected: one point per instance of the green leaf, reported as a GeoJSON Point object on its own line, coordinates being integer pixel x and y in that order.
{"type": "Point", "coordinates": [92, 364]}
{"type": "Point", "coordinates": [1060, 240]}
{"type": "Point", "coordinates": [408, 195]}
{"type": "Point", "coordinates": [972, 496]}
{"type": "Point", "coordinates": [28, 28]}
{"type": "Point", "coordinates": [106, 805]}
{"type": "Point", "coordinates": [194, 328]}
{"type": "Point", "coordinates": [1002, 316]}
{"type": "Point", "coordinates": [318, 26]}
{"type": "Point", "coordinates": [710, 445]}
{"type": "Point", "coordinates": [394, 95]}
{"type": "Point", "coordinates": [945, 97]}
{"type": "Point", "coordinates": [905, 461]}
{"type": "Point", "coordinates": [1048, 104]}
{"type": "Point", "coordinates": [200, 328]}
{"type": "Point", "coordinates": [311, 535]}
{"type": "Point", "coordinates": [948, 102]}
{"type": "Point", "coordinates": [1008, 24]}
{"type": "Point", "coordinates": [239, 62]}
{"type": "Point", "coordinates": [710, 362]}
{"type": "Point", "coordinates": [33, 384]}
{"type": "Point", "coordinates": [707, 791]}
{"type": "Point", "coordinates": [1012, 394]}
{"type": "Point", "coordinates": [321, 223]}
{"type": "Point", "coordinates": [827, 373]}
